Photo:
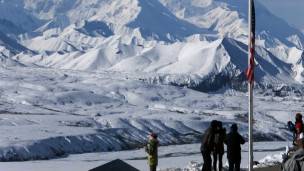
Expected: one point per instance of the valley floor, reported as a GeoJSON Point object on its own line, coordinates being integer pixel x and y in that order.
{"type": "Point", "coordinates": [49, 113]}
{"type": "Point", "coordinates": [178, 156]}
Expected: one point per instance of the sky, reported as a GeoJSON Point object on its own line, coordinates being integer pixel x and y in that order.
{"type": "Point", "coordinates": [290, 10]}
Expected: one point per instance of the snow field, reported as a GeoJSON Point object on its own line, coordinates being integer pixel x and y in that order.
{"type": "Point", "coordinates": [49, 113]}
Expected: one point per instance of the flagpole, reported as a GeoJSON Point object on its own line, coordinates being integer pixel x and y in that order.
{"type": "Point", "coordinates": [250, 91]}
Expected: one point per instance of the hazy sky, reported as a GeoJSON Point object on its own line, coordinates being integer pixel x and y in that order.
{"type": "Point", "coordinates": [290, 10]}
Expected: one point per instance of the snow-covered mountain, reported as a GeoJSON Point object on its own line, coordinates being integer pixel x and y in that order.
{"type": "Point", "coordinates": [229, 18]}
{"type": "Point", "coordinates": [83, 76]}
{"type": "Point", "coordinates": [205, 40]}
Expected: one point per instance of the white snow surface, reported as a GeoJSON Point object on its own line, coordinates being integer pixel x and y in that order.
{"type": "Point", "coordinates": [49, 113]}
{"type": "Point", "coordinates": [205, 38]}
{"type": "Point", "coordinates": [171, 158]}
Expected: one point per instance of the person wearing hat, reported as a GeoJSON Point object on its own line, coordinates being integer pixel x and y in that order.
{"type": "Point", "coordinates": [151, 150]}
{"type": "Point", "coordinates": [234, 141]}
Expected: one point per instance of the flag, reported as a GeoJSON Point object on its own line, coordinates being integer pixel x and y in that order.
{"type": "Point", "coordinates": [250, 77]}
{"type": "Point", "coordinates": [250, 69]}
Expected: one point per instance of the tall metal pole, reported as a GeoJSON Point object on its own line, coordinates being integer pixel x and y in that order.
{"type": "Point", "coordinates": [250, 91]}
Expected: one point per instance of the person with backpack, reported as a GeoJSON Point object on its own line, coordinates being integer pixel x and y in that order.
{"type": "Point", "coordinates": [218, 152]}
{"type": "Point", "coordinates": [234, 141]}
{"type": "Point", "coordinates": [152, 151]}
{"type": "Point", "coordinates": [207, 146]}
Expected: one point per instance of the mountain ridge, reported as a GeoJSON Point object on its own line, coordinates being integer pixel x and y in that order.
{"type": "Point", "coordinates": [159, 36]}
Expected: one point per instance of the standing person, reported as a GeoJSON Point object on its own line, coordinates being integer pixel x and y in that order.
{"type": "Point", "coordinates": [207, 145]}
{"type": "Point", "coordinates": [151, 150]}
{"type": "Point", "coordinates": [234, 141]}
{"type": "Point", "coordinates": [218, 152]}
{"type": "Point", "coordinates": [298, 129]}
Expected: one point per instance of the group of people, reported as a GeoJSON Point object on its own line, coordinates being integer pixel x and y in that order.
{"type": "Point", "coordinates": [215, 137]}
{"type": "Point", "coordinates": [212, 144]}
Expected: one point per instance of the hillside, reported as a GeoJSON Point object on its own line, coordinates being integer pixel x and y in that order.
{"type": "Point", "coordinates": [206, 39]}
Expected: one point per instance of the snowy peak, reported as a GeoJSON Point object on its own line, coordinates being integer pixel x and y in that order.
{"type": "Point", "coordinates": [205, 38]}
{"type": "Point", "coordinates": [150, 16]}
{"type": "Point", "coordinates": [230, 18]}
{"type": "Point", "coordinates": [155, 19]}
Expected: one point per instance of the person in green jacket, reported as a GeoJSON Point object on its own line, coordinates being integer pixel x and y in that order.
{"type": "Point", "coordinates": [151, 150]}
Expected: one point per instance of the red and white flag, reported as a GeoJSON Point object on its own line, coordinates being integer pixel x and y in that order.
{"type": "Point", "coordinates": [250, 69]}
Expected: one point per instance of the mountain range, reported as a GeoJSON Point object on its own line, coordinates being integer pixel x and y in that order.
{"type": "Point", "coordinates": [204, 41]}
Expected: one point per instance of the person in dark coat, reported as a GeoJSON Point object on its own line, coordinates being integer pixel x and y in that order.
{"type": "Point", "coordinates": [233, 142]}
{"type": "Point", "coordinates": [207, 145]}
{"type": "Point", "coordinates": [152, 151]}
{"type": "Point", "coordinates": [218, 152]}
